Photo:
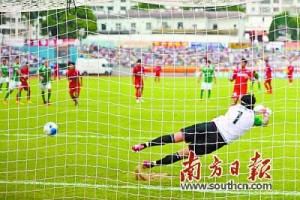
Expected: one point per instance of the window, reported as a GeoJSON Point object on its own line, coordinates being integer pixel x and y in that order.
{"type": "Point", "coordinates": [133, 26]}
{"type": "Point", "coordinates": [123, 8]}
{"type": "Point", "coordinates": [253, 9]}
{"type": "Point", "coordinates": [118, 26]}
{"type": "Point", "coordinates": [276, 9]}
{"type": "Point", "coordinates": [99, 7]}
{"type": "Point", "coordinates": [234, 26]}
{"type": "Point", "coordinates": [266, 1]}
{"type": "Point", "coordinates": [123, 1]}
{"type": "Point", "coordinates": [215, 26]}
{"type": "Point", "coordinates": [180, 25]}
{"type": "Point", "coordinates": [165, 25]}
{"type": "Point", "coordinates": [148, 26]}
{"type": "Point", "coordinates": [287, 1]}
{"type": "Point", "coordinates": [275, 1]}
{"type": "Point", "coordinates": [195, 27]}
{"type": "Point", "coordinates": [110, 9]}
{"type": "Point", "coordinates": [103, 27]}
{"type": "Point", "coordinates": [265, 10]}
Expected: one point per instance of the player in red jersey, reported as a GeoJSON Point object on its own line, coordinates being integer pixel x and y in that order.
{"type": "Point", "coordinates": [24, 82]}
{"type": "Point", "coordinates": [241, 77]}
{"type": "Point", "coordinates": [268, 77]}
{"type": "Point", "coordinates": [137, 79]}
{"type": "Point", "coordinates": [158, 70]}
{"type": "Point", "coordinates": [75, 82]}
{"type": "Point", "coordinates": [290, 71]}
{"type": "Point", "coordinates": [56, 72]}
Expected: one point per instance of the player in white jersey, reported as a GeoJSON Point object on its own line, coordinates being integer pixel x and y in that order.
{"type": "Point", "coordinates": [204, 138]}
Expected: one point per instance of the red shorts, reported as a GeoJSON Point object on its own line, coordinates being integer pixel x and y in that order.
{"type": "Point", "coordinates": [157, 75]}
{"type": "Point", "coordinates": [268, 80]}
{"type": "Point", "coordinates": [73, 89]}
{"type": "Point", "coordinates": [24, 85]}
{"type": "Point", "coordinates": [290, 75]}
{"type": "Point", "coordinates": [239, 91]}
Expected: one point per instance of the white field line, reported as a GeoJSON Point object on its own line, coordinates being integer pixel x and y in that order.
{"type": "Point", "coordinates": [89, 135]}
{"type": "Point", "coordinates": [151, 187]}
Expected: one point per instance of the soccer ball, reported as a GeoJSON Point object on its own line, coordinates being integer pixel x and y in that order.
{"type": "Point", "coordinates": [50, 128]}
{"type": "Point", "coordinates": [259, 109]}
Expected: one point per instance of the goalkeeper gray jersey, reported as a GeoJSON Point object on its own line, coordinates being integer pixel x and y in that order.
{"type": "Point", "coordinates": [235, 123]}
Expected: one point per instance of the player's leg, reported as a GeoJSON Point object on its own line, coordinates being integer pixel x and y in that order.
{"type": "Point", "coordinates": [201, 94]}
{"type": "Point", "coordinates": [18, 96]}
{"type": "Point", "coordinates": [270, 86]}
{"type": "Point", "coordinates": [258, 83]}
{"type": "Point", "coordinates": [7, 84]}
{"type": "Point", "coordinates": [71, 92]}
{"type": "Point", "coordinates": [43, 89]}
{"type": "Point", "coordinates": [49, 92]}
{"type": "Point", "coordinates": [76, 94]}
{"type": "Point", "coordinates": [266, 85]}
{"type": "Point", "coordinates": [208, 94]}
{"type": "Point", "coordinates": [1, 83]}
{"type": "Point", "coordinates": [169, 159]}
{"type": "Point", "coordinates": [28, 94]}
{"type": "Point", "coordinates": [138, 94]}
{"type": "Point", "coordinates": [165, 139]}
{"type": "Point", "coordinates": [12, 85]}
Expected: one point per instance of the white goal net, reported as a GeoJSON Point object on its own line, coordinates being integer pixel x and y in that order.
{"type": "Point", "coordinates": [123, 79]}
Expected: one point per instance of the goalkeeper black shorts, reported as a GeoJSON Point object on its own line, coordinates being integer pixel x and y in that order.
{"type": "Point", "coordinates": [203, 138]}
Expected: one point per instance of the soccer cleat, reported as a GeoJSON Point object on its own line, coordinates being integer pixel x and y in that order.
{"type": "Point", "coordinates": [5, 102]}
{"type": "Point", "coordinates": [137, 148]}
{"type": "Point", "coordinates": [141, 99]}
{"type": "Point", "coordinates": [138, 101]}
{"type": "Point", "coordinates": [147, 164]}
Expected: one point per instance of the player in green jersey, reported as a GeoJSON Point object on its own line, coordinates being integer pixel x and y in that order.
{"type": "Point", "coordinates": [208, 73]}
{"type": "Point", "coordinates": [44, 74]}
{"type": "Point", "coordinates": [14, 83]}
{"type": "Point", "coordinates": [256, 79]}
{"type": "Point", "coordinates": [4, 74]}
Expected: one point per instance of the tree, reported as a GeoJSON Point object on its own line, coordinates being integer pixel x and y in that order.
{"type": "Point", "coordinates": [284, 23]}
{"type": "Point", "coordinates": [64, 23]}
{"type": "Point", "coordinates": [148, 6]}
{"type": "Point", "coordinates": [240, 8]}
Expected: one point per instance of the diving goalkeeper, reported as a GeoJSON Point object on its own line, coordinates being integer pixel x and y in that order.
{"type": "Point", "coordinates": [205, 138]}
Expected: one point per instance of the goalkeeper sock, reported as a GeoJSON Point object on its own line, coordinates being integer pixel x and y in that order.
{"type": "Point", "coordinates": [160, 141]}
{"type": "Point", "coordinates": [208, 94]}
{"type": "Point", "coordinates": [169, 159]}
{"type": "Point", "coordinates": [43, 96]}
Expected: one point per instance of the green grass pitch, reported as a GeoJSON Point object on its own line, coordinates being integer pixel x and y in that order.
{"type": "Point", "coordinates": [91, 157]}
